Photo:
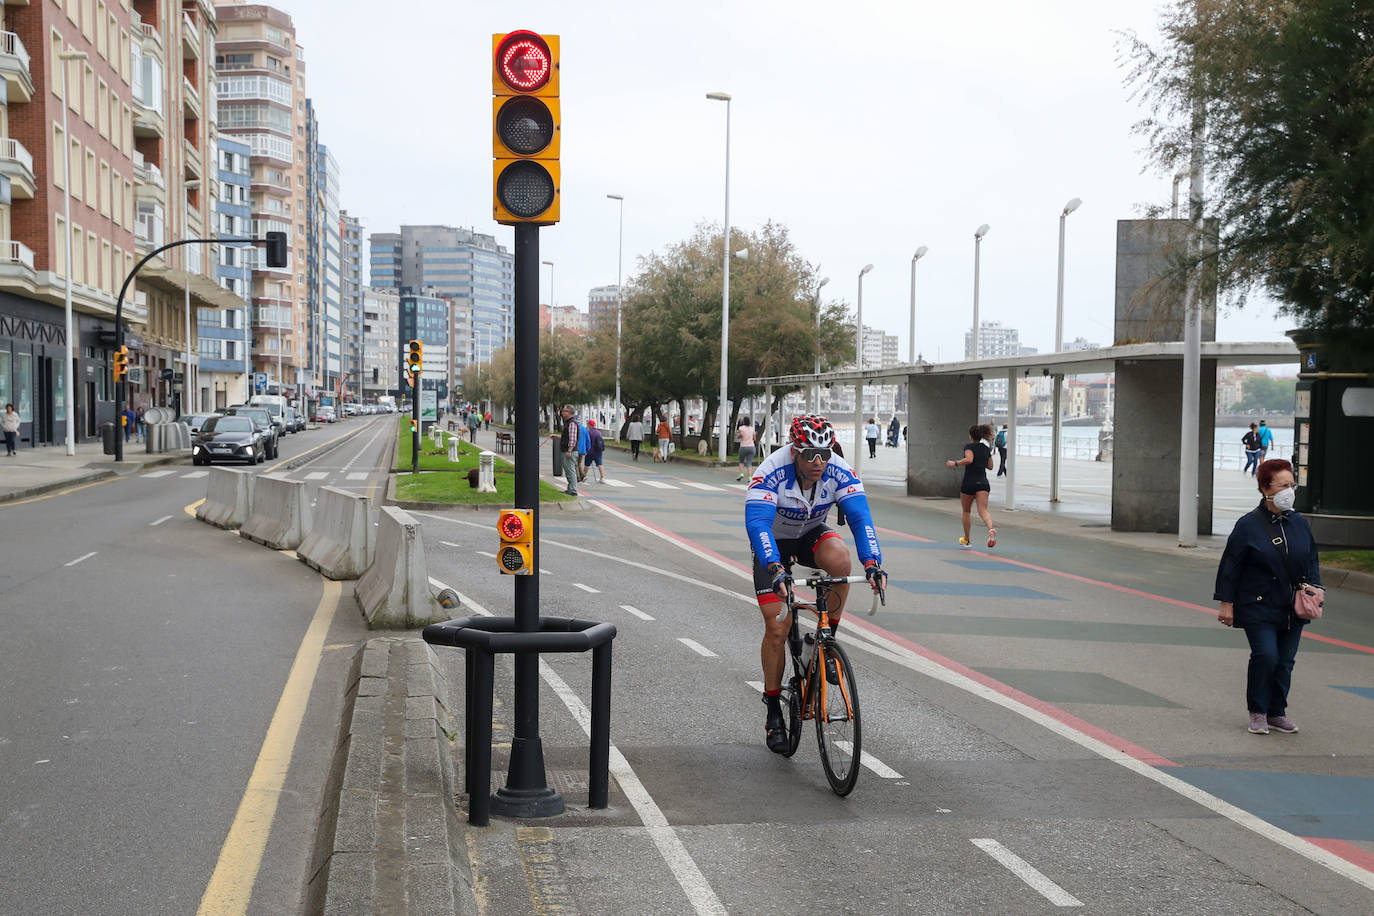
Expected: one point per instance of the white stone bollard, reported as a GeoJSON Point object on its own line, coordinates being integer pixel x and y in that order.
{"type": "Point", "coordinates": [453, 448]}
{"type": "Point", "coordinates": [486, 472]}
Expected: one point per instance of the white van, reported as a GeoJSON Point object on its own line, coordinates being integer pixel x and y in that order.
{"type": "Point", "coordinates": [276, 406]}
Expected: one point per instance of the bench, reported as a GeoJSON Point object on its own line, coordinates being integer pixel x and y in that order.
{"type": "Point", "coordinates": [505, 442]}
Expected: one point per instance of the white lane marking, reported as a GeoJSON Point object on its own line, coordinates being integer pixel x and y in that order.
{"type": "Point", "coordinates": [358, 475]}
{"type": "Point", "coordinates": [151, 474]}
{"type": "Point", "coordinates": [587, 588]}
{"type": "Point", "coordinates": [159, 521]}
{"type": "Point", "coordinates": [659, 485]}
{"type": "Point", "coordinates": [616, 483]}
{"type": "Point", "coordinates": [483, 553]}
{"type": "Point", "coordinates": [450, 544]}
{"type": "Point", "coordinates": [86, 556]}
{"type": "Point", "coordinates": [316, 475]}
{"type": "Point", "coordinates": [697, 647]}
{"type": "Point", "coordinates": [670, 847]}
{"type": "Point", "coordinates": [873, 763]}
{"type": "Point", "coordinates": [192, 475]}
{"type": "Point", "coordinates": [757, 685]}
{"type": "Point", "coordinates": [635, 611]}
{"type": "Point", "coordinates": [738, 486]}
{"type": "Point", "coordinates": [701, 486]}
{"type": "Point", "coordinates": [1027, 873]}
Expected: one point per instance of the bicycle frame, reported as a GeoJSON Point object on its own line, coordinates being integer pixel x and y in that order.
{"type": "Point", "coordinates": [811, 701]}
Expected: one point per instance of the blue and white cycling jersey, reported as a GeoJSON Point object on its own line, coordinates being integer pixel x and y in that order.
{"type": "Point", "coordinates": [777, 508]}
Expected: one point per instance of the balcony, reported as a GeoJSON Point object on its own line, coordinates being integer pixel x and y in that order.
{"type": "Point", "coordinates": [192, 160]}
{"type": "Point", "coordinates": [17, 163]}
{"type": "Point", "coordinates": [148, 122]}
{"type": "Point", "coordinates": [149, 39]}
{"type": "Point", "coordinates": [190, 100]}
{"type": "Point", "coordinates": [147, 173]}
{"type": "Point", "coordinates": [14, 67]}
{"type": "Point", "coordinates": [190, 36]}
{"type": "Point", "coordinates": [15, 258]}
{"type": "Point", "coordinates": [16, 2]}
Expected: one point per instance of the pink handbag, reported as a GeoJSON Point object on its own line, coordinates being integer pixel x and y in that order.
{"type": "Point", "coordinates": [1308, 601]}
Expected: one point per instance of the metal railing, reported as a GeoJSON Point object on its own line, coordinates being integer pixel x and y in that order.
{"type": "Point", "coordinates": [16, 253]}
{"type": "Point", "coordinates": [14, 151]}
{"type": "Point", "coordinates": [11, 46]}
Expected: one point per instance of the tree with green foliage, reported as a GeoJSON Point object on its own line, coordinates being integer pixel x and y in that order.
{"type": "Point", "coordinates": [1287, 91]}
{"type": "Point", "coordinates": [1264, 392]}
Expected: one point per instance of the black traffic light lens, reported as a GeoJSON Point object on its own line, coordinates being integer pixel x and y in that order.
{"type": "Point", "coordinates": [524, 61]}
{"type": "Point", "coordinates": [525, 189]}
{"type": "Point", "coordinates": [511, 559]}
{"type": "Point", "coordinates": [525, 125]}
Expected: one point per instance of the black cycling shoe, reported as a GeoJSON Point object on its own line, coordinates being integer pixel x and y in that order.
{"type": "Point", "coordinates": [774, 729]}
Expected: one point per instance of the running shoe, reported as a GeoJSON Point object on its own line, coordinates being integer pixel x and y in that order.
{"type": "Point", "coordinates": [1258, 725]}
{"type": "Point", "coordinates": [1282, 724]}
{"type": "Point", "coordinates": [992, 537]}
{"type": "Point", "coordinates": [963, 542]}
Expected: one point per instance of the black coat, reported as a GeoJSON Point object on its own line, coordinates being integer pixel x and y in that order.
{"type": "Point", "coordinates": [1253, 575]}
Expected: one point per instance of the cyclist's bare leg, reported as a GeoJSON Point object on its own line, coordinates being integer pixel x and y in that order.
{"type": "Point", "coordinates": [833, 556]}
{"type": "Point", "coordinates": [966, 503]}
{"type": "Point", "coordinates": [773, 651]}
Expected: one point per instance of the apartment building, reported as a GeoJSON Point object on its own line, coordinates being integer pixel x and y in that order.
{"type": "Point", "coordinates": [324, 296]}
{"type": "Point", "coordinates": [601, 307]}
{"type": "Point", "coordinates": [351, 301]}
{"type": "Point", "coordinates": [424, 316]}
{"type": "Point", "coordinates": [224, 335]}
{"type": "Point", "coordinates": [381, 343]}
{"type": "Point", "coordinates": [113, 93]}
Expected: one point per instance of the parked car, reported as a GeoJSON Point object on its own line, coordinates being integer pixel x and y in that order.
{"type": "Point", "coordinates": [225, 438]}
{"type": "Point", "coordinates": [294, 420]}
{"type": "Point", "coordinates": [324, 414]}
{"type": "Point", "coordinates": [194, 421]}
{"type": "Point", "coordinates": [263, 418]}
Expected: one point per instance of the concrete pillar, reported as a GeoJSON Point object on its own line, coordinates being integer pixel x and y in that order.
{"type": "Point", "coordinates": [1011, 439]}
{"type": "Point", "coordinates": [941, 409]}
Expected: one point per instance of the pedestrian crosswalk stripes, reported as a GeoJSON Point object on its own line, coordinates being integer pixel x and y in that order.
{"type": "Point", "coordinates": [701, 486]}
{"type": "Point", "coordinates": [590, 486]}
{"type": "Point", "coordinates": [659, 485]}
{"type": "Point", "coordinates": [158, 473]}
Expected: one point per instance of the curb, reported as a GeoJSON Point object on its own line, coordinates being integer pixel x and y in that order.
{"type": "Point", "coordinates": [1349, 579]}
{"type": "Point", "coordinates": [92, 477]}
{"type": "Point", "coordinates": [389, 837]}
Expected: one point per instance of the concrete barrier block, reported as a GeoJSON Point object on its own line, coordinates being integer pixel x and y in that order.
{"type": "Point", "coordinates": [280, 513]}
{"type": "Point", "coordinates": [394, 592]}
{"type": "Point", "coordinates": [341, 540]}
{"type": "Point", "coordinates": [228, 497]}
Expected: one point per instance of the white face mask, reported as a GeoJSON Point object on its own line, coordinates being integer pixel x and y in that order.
{"type": "Point", "coordinates": [1284, 499]}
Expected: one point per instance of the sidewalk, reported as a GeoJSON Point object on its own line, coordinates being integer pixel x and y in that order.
{"type": "Point", "coordinates": [34, 471]}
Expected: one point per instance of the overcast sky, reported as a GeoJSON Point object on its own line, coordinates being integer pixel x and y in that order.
{"type": "Point", "coordinates": [867, 128]}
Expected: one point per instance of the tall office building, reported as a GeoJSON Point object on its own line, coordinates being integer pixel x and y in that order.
{"type": "Point", "coordinates": [351, 300]}
{"type": "Point", "coordinates": [224, 334]}
{"type": "Point", "coordinates": [323, 263]}
{"type": "Point", "coordinates": [466, 267]}
{"type": "Point", "coordinates": [137, 141]}
{"type": "Point", "coordinates": [601, 305]}
{"type": "Point", "coordinates": [424, 316]}
{"type": "Point", "coordinates": [994, 340]}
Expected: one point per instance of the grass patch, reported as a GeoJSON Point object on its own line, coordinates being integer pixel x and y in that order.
{"type": "Point", "coordinates": [444, 481]}
{"type": "Point", "coordinates": [1358, 560]}
{"type": "Point", "coordinates": [433, 457]}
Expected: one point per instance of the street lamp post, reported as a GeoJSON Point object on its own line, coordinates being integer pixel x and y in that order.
{"type": "Point", "coordinates": [859, 368]}
{"type": "Point", "coordinates": [725, 281]}
{"type": "Point", "coordinates": [816, 386]}
{"type": "Point", "coordinates": [1057, 422]}
{"type": "Point", "coordinates": [68, 372]}
{"type": "Point", "coordinates": [977, 253]}
{"type": "Point", "coordinates": [619, 301]}
{"type": "Point", "coordinates": [549, 264]}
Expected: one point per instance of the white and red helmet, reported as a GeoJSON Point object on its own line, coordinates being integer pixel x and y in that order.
{"type": "Point", "coordinates": [811, 432]}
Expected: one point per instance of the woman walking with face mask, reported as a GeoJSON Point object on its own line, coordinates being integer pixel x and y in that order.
{"type": "Point", "coordinates": [1269, 554]}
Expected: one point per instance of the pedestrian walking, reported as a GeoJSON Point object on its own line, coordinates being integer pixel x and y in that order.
{"type": "Point", "coordinates": [1001, 443]}
{"type": "Point", "coordinates": [141, 426]}
{"type": "Point", "coordinates": [486, 420]}
{"type": "Point", "coordinates": [871, 434]}
{"type": "Point", "coordinates": [636, 434]}
{"type": "Point", "coordinates": [893, 429]}
{"type": "Point", "coordinates": [567, 447]}
{"type": "Point", "coordinates": [1266, 439]}
{"type": "Point", "coordinates": [1269, 556]}
{"type": "Point", "coordinates": [129, 421]}
{"type": "Point", "coordinates": [9, 424]}
{"type": "Point", "coordinates": [474, 424]}
{"type": "Point", "coordinates": [665, 438]}
{"type": "Point", "coordinates": [1251, 441]}
{"type": "Point", "coordinates": [583, 443]}
{"type": "Point", "coordinates": [596, 448]}
{"type": "Point", "coordinates": [974, 489]}
{"type": "Point", "coordinates": [744, 435]}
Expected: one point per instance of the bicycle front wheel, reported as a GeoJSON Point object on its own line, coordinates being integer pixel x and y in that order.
{"type": "Point", "coordinates": [838, 733]}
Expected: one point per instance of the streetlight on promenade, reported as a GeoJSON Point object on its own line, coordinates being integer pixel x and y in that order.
{"type": "Point", "coordinates": [1057, 422]}
{"type": "Point", "coordinates": [859, 368]}
{"type": "Point", "coordinates": [619, 302]}
{"type": "Point", "coordinates": [816, 386]}
{"type": "Point", "coordinates": [977, 252]}
{"type": "Point", "coordinates": [68, 374]}
{"type": "Point", "coordinates": [725, 282]}
{"type": "Point", "coordinates": [549, 265]}
{"type": "Point", "coordinates": [911, 341]}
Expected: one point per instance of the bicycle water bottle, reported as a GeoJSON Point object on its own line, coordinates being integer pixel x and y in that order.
{"type": "Point", "coordinates": [808, 649]}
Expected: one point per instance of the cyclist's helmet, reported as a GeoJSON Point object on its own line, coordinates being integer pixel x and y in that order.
{"type": "Point", "coordinates": [811, 432]}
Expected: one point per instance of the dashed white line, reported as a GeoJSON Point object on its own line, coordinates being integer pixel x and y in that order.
{"type": "Point", "coordinates": [159, 521]}
{"type": "Point", "coordinates": [358, 475]}
{"type": "Point", "coordinates": [450, 544]}
{"type": "Point", "coordinates": [697, 647]}
{"type": "Point", "coordinates": [701, 486]}
{"type": "Point", "coordinates": [635, 611]}
{"type": "Point", "coordinates": [86, 556]}
{"type": "Point", "coordinates": [152, 474]}
{"type": "Point", "coordinates": [483, 553]}
{"type": "Point", "coordinates": [873, 763]}
{"type": "Point", "coordinates": [587, 588]}
{"type": "Point", "coordinates": [316, 475]}
{"type": "Point", "coordinates": [192, 475]}
{"type": "Point", "coordinates": [659, 485]}
{"type": "Point", "coordinates": [616, 483]}
{"type": "Point", "coordinates": [1027, 873]}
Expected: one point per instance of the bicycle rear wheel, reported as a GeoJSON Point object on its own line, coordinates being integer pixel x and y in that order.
{"type": "Point", "coordinates": [838, 732]}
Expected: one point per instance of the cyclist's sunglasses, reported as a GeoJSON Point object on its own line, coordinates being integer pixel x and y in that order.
{"type": "Point", "coordinates": [808, 455]}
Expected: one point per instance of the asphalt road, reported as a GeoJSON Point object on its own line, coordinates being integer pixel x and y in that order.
{"type": "Point", "coordinates": [1057, 720]}
{"type": "Point", "coordinates": [144, 656]}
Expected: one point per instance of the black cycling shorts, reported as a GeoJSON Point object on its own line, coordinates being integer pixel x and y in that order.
{"type": "Point", "coordinates": [794, 550]}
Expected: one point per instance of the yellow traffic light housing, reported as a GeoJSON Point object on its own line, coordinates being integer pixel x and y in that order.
{"type": "Point", "coordinates": [526, 128]}
{"type": "Point", "coordinates": [121, 363]}
{"type": "Point", "coordinates": [414, 358]}
{"type": "Point", "coordinates": [516, 554]}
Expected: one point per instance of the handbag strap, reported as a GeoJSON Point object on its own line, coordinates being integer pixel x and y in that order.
{"type": "Point", "coordinates": [1295, 576]}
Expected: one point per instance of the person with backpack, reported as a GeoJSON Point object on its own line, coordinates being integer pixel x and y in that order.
{"type": "Point", "coordinates": [596, 447]}
{"type": "Point", "coordinates": [1001, 443]}
{"type": "Point", "coordinates": [583, 443]}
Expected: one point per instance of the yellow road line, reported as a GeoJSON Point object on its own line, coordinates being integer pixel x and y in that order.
{"type": "Point", "coordinates": [240, 858]}
{"type": "Point", "coordinates": [34, 499]}
{"type": "Point", "coordinates": [191, 509]}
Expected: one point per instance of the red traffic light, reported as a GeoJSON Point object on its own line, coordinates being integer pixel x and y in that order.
{"type": "Point", "coordinates": [523, 61]}
{"type": "Point", "coordinates": [512, 525]}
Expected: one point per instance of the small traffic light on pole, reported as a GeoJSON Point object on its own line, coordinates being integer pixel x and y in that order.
{"type": "Point", "coordinates": [414, 360]}
{"type": "Point", "coordinates": [121, 363]}
{"type": "Point", "coordinates": [276, 249]}
{"type": "Point", "coordinates": [526, 127]}
{"type": "Point", "coordinates": [516, 556]}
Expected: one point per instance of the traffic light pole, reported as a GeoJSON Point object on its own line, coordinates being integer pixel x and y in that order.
{"type": "Point", "coordinates": [526, 792]}
{"type": "Point", "coordinates": [414, 423]}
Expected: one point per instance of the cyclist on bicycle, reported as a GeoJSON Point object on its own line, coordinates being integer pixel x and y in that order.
{"type": "Point", "coordinates": [784, 512]}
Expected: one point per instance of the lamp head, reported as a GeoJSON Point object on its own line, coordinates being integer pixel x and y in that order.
{"type": "Point", "coordinates": [718, 96]}
{"type": "Point", "coordinates": [981, 231]}
{"type": "Point", "coordinates": [1072, 206]}
{"type": "Point", "coordinates": [550, 263]}
{"type": "Point", "coordinates": [920, 253]}
{"type": "Point", "coordinates": [615, 197]}
{"type": "Point", "coordinates": [866, 269]}
{"type": "Point", "coordinates": [742, 254]}
{"type": "Point", "coordinates": [824, 280]}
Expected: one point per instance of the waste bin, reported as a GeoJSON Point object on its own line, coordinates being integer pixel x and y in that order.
{"type": "Point", "coordinates": [107, 437]}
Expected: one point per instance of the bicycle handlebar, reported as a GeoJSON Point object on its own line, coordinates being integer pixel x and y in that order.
{"type": "Point", "coordinates": [819, 579]}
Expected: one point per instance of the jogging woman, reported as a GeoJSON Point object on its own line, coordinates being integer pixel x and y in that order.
{"type": "Point", "coordinates": [977, 461]}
